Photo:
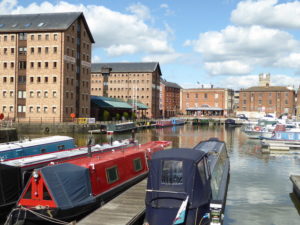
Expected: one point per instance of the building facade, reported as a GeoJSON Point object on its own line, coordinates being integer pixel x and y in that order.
{"type": "Point", "coordinates": [267, 99]}
{"type": "Point", "coordinates": [45, 64]}
{"type": "Point", "coordinates": [134, 82]}
{"type": "Point", "coordinates": [169, 99]}
{"type": "Point", "coordinates": [207, 101]}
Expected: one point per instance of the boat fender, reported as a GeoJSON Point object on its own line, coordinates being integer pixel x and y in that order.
{"type": "Point", "coordinates": [47, 130]}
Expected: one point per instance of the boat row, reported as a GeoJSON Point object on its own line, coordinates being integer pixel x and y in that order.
{"type": "Point", "coordinates": [67, 184]}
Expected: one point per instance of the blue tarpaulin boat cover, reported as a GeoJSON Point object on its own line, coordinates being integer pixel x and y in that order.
{"type": "Point", "coordinates": [191, 185]}
{"type": "Point", "coordinates": [68, 184]}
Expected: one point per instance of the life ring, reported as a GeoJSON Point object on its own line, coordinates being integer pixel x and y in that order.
{"type": "Point", "coordinates": [47, 130]}
{"type": "Point", "coordinates": [257, 128]}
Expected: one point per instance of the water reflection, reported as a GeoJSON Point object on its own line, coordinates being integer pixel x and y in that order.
{"type": "Point", "coordinates": [259, 189]}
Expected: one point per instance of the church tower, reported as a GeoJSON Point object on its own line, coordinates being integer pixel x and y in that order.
{"type": "Point", "coordinates": [264, 80]}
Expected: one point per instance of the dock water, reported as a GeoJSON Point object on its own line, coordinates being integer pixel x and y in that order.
{"type": "Point", "coordinates": [127, 208]}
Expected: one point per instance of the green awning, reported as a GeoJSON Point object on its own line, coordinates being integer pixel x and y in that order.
{"type": "Point", "coordinates": [109, 103]}
{"type": "Point", "coordinates": [138, 104]}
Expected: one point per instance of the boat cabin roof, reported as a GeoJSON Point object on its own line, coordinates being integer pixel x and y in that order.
{"type": "Point", "coordinates": [179, 153]}
{"type": "Point", "coordinates": [33, 142]}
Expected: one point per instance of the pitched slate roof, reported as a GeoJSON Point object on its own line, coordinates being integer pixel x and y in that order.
{"type": "Point", "coordinates": [127, 67]}
{"type": "Point", "coordinates": [266, 89]}
{"type": "Point", "coordinates": [40, 22]}
{"type": "Point", "coordinates": [170, 84]}
{"type": "Point", "coordinates": [139, 104]}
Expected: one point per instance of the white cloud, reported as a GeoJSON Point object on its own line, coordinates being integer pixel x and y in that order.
{"type": "Point", "coordinates": [167, 9]}
{"type": "Point", "coordinates": [117, 33]}
{"type": "Point", "coordinates": [162, 58]}
{"type": "Point", "coordinates": [141, 11]}
{"type": "Point", "coordinates": [267, 13]}
{"type": "Point", "coordinates": [96, 59]}
{"type": "Point", "coordinates": [290, 61]}
{"type": "Point", "coordinates": [236, 83]}
{"type": "Point", "coordinates": [237, 49]}
{"type": "Point", "coordinates": [227, 67]}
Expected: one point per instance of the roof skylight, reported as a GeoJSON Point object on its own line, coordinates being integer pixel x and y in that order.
{"type": "Point", "coordinates": [14, 25]}
{"type": "Point", "coordinates": [41, 24]}
{"type": "Point", "coordinates": [1, 25]}
{"type": "Point", "coordinates": [27, 25]}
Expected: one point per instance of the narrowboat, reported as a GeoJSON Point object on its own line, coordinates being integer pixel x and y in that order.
{"type": "Point", "coordinates": [178, 121]}
{"type": "Point", "coordinates": [68, 190]}
{"type": "Point", "coordinates": [231, 123]}
{"type": "Point", "coordinates": [120, 127]}
{"type": "Point", "coordinates": [35, 146]}
{"type": "Point", "coordinates": [164, 123]}
{"type": "Point", "coordinates": [188, 185]}
{"type": "Point", "coordinates": [15, 173]}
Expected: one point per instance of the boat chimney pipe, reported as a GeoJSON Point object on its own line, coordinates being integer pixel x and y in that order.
{"type": "Point", "coordinates": [89, 147]}
{"type": "Point", "coordinates": [132, 135]}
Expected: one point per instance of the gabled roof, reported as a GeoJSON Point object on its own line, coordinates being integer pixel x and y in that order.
{"type": "Point", "coordinates": [266, 88]}
{"type": "Point", "coordinates": [170, 84]}
{"type": "Point", "coordinates": [127, 67]}
{"type": "Point", "coordinates": [41, 22]}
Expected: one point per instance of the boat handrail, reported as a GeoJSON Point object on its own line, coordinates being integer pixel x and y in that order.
{"type": "Point", "coordinates": [171, 192]}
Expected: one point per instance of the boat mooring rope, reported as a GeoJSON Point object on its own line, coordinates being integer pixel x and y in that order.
{"type": "Point", "coordinates": [44, 217]}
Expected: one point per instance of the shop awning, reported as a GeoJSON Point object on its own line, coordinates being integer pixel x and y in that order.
{"type": "Point", "coordinates": [204, 109]}
{"type": "Point", "coordinates": [109, 103]}
{"type": "Point", "coordinates": [139, 105]}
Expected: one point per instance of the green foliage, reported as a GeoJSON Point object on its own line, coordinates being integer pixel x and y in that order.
{"type": "Point", "coordinates": [118, 116]}
{"type": "Point", "coordinates": [106, 115]}
{"type": "Point", "coordinates": [126, 115]}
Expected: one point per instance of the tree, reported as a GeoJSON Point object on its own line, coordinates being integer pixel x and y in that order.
{"type": "Point", "coordinates": [126, 115]}
{"type": "Point", "coordinates": [106, 115]}
{"type": "Point", "coordinates": [118, 116]}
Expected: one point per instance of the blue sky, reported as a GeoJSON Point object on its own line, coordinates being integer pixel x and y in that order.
{"type": "Point", "coordinates": [222, 42]}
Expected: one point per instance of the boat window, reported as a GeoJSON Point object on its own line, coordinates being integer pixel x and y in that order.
{"type": "Point", "coordinates": [278, 135]}
{"type": "Point", "coordinates": [201, 170]}
{"type": "Point", "coordinates": [137, 163]}
{"type": "Point", "coordinates": [112, 174]}
{"type": "Point", "coordinates": [61, 147]}
{"type": "Point", "coordinates": [172, 173]}
{"type": "Point", "coordinates": [43, 150]}
{"type": "Point", "coordinates": [46, 195]}
{"type": "Point", "coordinates": [291, 135]}
{"type": "Point", "coordinates": [28, 193]}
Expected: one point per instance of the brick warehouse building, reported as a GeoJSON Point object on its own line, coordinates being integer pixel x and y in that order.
{"type": "Point", "coordinates": [138, 81]}
{"type": "Point", "coordinates": [169, 99]}
{"type": "Point", "coordinates": [207, 101]}
{"type": "Point", "coordinates": [45, 62]}
{"type": "Point", "coordinates": [267, 99]}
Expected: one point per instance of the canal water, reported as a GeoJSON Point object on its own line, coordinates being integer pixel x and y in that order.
{"type": "Point", "coordinates": [260, 192]}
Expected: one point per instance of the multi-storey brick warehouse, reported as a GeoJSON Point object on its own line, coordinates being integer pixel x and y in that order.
{"type": "Point", "coordinates": [45, 62]}
{"type": "Point", "coordinates": [268, 99]}
{"type": "Point", "coordinates": [169, 98]}
{"type": "Point", "coordinates": [207, 101]}
{"type": "Point", "coordinates": [128, 81]}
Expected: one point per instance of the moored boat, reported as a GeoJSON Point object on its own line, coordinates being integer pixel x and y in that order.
{"type": "Point", "coordinates": [178, 121]}
{"type": "Point", "coordinates": [120, 127]}
{"type": "Point", "coordinates": [192, 182]}
{"type": "Point", "coordinates": [15, 173]}
{"type": "Point", "coordinates": [68, 190]}
{"type": "Point", "coordinates": [164, 123]}
{"type": "Point", "coordinates": [35, 146]}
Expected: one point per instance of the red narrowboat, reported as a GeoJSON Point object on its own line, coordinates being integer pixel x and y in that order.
{"type": "Point", "coordinates": [69, 190]}
{"type": "Point", "coordinates": [164, 123]}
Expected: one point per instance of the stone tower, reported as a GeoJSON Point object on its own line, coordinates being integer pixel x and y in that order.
{"type": "Point", "coordinates": [264, 80]}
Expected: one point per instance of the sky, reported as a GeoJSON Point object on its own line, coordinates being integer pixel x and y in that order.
{"type": "Point", "coordinates": [226, 43]}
